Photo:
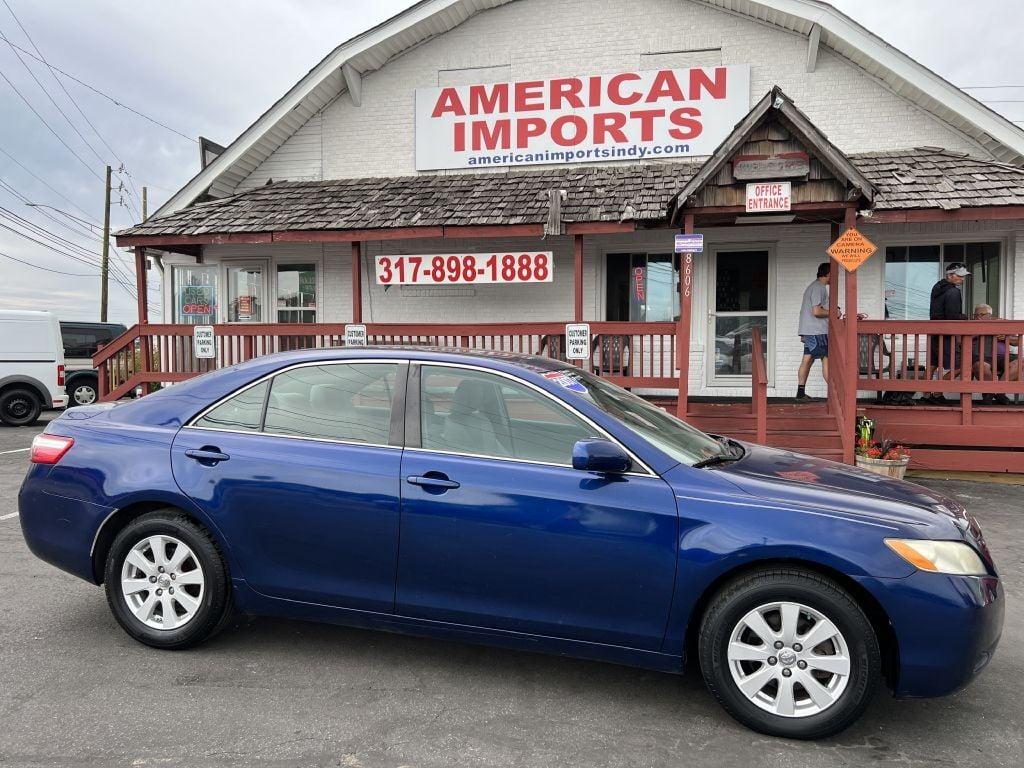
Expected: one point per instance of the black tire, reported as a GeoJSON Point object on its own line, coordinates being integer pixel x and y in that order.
{"type": "Point", "coordinates": [20, 407]}
{"type": "Point", "coordinates": [83, 390]}
{"type": "Point", "coordinates": [215, 600]}
{"type": "Point", "coordinates": [738, 598]}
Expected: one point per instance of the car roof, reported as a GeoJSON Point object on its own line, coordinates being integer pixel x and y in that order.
{"type": "Point", "coordinates": [533, 363]}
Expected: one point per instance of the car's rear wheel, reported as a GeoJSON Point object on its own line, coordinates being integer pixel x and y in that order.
{"type": "Point", "coordinates": [166, 581]}
{"type": "Point", "coordinates": [789, 653]}
{"type": "Point", "coordinates": [19, 407]}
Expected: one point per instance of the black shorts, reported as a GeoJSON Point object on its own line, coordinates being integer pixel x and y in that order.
{"type": "Point", "coordinates": [950, 346]}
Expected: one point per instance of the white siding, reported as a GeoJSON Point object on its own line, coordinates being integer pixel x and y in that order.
{"type": "Point", "coordinates": [300, 158]}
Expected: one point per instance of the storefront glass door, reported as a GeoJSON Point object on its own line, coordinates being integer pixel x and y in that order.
{"type": "Point", "coordinates": [739, 301]}
{"type": "Point", "coordinates": [246, 287]}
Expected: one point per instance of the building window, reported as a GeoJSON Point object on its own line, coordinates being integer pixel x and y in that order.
{"type": "Point", "coordinates": [912, 270]}
{"type": "Point", "coordinates": [643, 287]}
{"type": "Point", "coordinates": [195, 295]}
{"type": "Point", "coordinates": [296, 293]}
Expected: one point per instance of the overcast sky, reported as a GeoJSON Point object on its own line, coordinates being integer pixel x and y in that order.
{"type": "Point", "coordinates": [211, 68]}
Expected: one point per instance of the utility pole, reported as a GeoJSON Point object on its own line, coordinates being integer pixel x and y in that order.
{"type": "Point", "coordinates": [145, 209]}
{"type": "Point", "coordinates": [105, 261]}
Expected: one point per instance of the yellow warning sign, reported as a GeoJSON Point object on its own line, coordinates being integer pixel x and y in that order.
{"type": "Point", "coordinates": [851, 249]}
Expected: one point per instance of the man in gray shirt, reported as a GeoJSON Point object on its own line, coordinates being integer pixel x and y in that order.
{"type": "Point", "coordinates": [813, 330]}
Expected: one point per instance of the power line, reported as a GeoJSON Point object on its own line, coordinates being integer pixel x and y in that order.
{"type": "Point", "coordinates": [59, 82]}
{"type": "Point", "coordinates": [52, 100]}
{"type": "Point", "coordinates": [83, 230]}
{"type": "Point", "coordinates": [120, 277]}
{"type": "Point", "coordinates": [106, 96]}
{"type": "Point", "coordinates": [48, 127]}
{"type": "Point", "coordinates": [47, 269]}
{"type": "Point", "coordinates": [50, 187]}
{"type": "Point", "coordinates": [987, 87]}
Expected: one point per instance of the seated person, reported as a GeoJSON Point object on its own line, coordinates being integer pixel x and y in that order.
{"type": "Point", "coordinates": [1007, 366]}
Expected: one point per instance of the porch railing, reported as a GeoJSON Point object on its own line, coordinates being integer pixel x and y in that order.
{"type": "Point", "coordinates": [965, 359]}
{"type": "Point", "coordinates": [640, 355]}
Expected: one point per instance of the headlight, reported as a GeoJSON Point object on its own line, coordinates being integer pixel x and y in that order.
{"type": "Point", "coordinates": [953, 557]}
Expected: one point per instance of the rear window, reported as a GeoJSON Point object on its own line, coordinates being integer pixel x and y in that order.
{"type": "Point", "coordinates": [243, 412]}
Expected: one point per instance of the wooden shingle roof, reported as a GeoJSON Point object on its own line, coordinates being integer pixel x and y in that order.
{"type": "Point", "coordinates": [925, 177]}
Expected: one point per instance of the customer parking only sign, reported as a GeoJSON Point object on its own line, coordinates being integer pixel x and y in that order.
{"type": "Point", "coordinates": [621, 116]}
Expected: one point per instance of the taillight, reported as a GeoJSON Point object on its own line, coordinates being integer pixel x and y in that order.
{"type": "Point", "coordinates": [49, 449]}
{"type": "Point", "coordinates": [60, 375]}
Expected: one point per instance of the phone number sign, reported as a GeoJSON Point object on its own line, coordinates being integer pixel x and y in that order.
{"type": "Point", "coordinates": [466, 268]}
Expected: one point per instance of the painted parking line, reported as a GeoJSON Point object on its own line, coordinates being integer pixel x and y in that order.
{"type": "Point", "coordinates": [8, 517]}
{"type": "Point", "coordinates": [16, 450]}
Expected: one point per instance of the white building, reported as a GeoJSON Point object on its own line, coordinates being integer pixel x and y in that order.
{"type": "Point", "coordinates": [445, 131]}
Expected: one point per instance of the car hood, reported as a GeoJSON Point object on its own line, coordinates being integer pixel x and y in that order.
{"type": "Point", "coordinates": [786, 477]}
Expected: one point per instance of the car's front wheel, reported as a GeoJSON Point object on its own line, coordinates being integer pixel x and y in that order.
{"type": "Point", "coordinates": [166, 581]}
{"type": "Point", "coordinates": [789, 653]}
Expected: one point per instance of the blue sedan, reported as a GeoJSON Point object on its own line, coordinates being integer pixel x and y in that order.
{"type": "Point", "coordinates": [520, 502]}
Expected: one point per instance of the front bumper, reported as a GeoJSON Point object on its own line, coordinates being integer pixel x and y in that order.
{"type": "Point", "coordinates": [946, 628]}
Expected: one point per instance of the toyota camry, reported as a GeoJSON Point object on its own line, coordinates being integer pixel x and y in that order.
{"type": "Point", "coordinates": [520, 502]}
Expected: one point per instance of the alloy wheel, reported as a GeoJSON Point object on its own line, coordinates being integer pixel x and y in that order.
{"type": "Point", "coordinates": [162, 582]}
{"type": "Point", "coordinates": [84, 394]}
{"type": "Point", "coordinates": [789, 659]}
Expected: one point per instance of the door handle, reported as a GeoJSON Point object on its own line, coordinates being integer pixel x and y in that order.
{"type": "Point", "coordinates": [431, 482]}
{"type": "Point", "coordinates": [207, 456]}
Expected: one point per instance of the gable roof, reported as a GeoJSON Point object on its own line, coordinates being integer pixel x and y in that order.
{"type": "Point", "coordinates": [776, 105]}
{"type": "Point", "coordinates": [372, 49]}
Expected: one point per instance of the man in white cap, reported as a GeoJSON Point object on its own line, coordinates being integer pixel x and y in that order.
{"type": "Point", "coordinates": [947, 303]}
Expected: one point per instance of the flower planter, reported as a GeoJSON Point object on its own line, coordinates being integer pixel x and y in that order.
{"type": "Point", "coordinates": [897, 468]}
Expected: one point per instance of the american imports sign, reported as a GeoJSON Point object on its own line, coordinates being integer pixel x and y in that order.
{"type": "Point", "coordinates": [623, 116]}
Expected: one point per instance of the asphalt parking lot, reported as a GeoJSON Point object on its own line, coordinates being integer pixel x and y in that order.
{"type": "Point", "coordinates": [75, 690]}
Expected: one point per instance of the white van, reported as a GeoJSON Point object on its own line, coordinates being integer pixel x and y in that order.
{"type": "Point", "coordinates": [31, 366]}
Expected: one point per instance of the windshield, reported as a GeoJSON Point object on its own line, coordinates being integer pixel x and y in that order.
{"type": "Point", "coordinates": [676, 438]}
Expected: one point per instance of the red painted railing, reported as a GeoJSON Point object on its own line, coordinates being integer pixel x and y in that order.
{"type": "Point", "coordinates": [641, 355]}
{"type": "Point", "coordinates": [916, 356]}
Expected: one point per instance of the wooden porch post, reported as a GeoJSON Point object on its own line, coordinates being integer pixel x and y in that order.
{"type": "Point", "coordinates": [852, 353]}
{"type": "Point", "coordinates": [685, 314]}
{"type": "Point", "coordinates": [833, 301]}
{"type": "Point", "coordinates": [577, 266]}
{"type": "Point", "coordinates": [140, 284]}
{"type": "Point", "coordinates": [145, 342]}
{"type": "Point", "coordinates": [357, 282]}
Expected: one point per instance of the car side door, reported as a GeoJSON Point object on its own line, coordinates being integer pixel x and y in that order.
{"type": "Point", "coordinates": [301, 474]}
{"type": "Point", "coordinates": [498, 530]}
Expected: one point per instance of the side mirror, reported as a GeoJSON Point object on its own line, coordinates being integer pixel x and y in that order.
{"type": "Point", "coordinates": [597, 455]}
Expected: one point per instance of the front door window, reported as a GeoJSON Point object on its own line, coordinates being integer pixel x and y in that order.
{"type": "Point", "coordinates": [739, 303]}
{"type": "Point", "coordinates": [245, 294]}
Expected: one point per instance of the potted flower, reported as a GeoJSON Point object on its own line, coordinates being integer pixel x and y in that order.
{"type": "Point", "coordinates": [883, 457]}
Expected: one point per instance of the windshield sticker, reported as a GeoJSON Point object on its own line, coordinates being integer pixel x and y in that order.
{"type": "Point", "coordinates": [566, 381]}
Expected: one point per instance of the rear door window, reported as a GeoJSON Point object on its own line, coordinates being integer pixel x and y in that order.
{"type": "Point", "coordinates": [350, 402]}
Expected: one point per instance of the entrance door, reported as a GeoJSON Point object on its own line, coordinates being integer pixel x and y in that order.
{"type": "Point", "coordinates": [246, 293]}
{"type": "Point", "coordinates": [739, 301]}
{"type": "Point", "coordinates": [498, 530]}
